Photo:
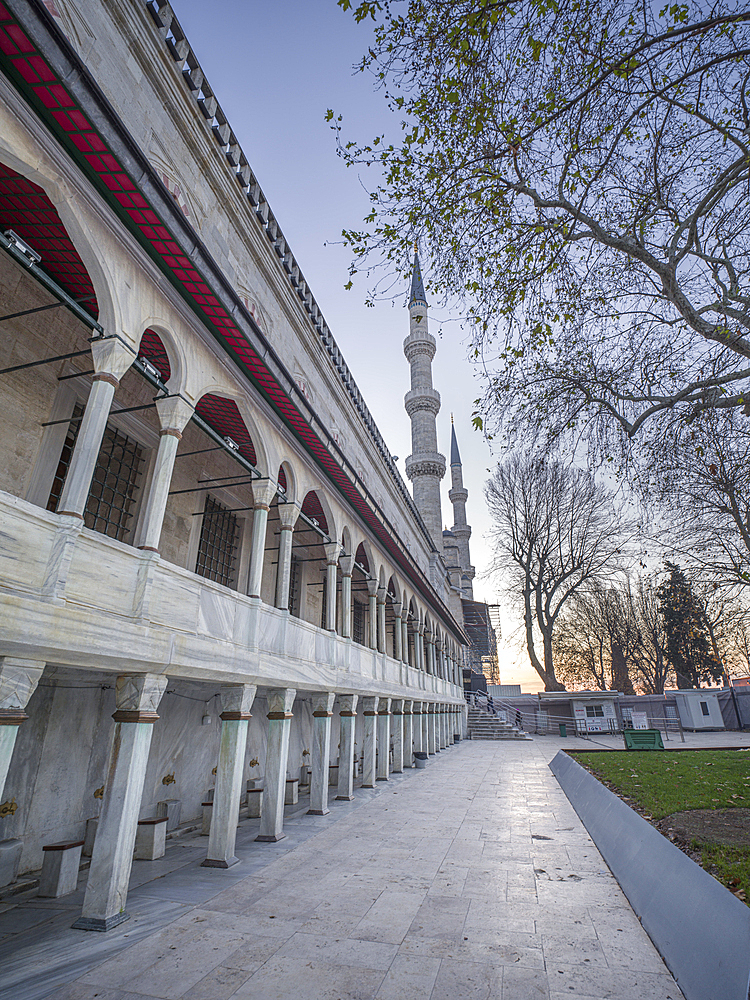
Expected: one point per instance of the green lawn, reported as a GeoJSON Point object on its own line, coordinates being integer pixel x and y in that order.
{"type": "Point", "coordinates": [665, 783]}
{"type": "Point", "coordinates": [659, 784]}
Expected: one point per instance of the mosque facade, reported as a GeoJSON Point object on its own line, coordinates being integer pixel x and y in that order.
{"type": "Point", "coordinates": [213, 579]}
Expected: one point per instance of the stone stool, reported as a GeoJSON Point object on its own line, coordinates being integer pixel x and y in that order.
{"type": "Point", "coordinates": [10, 859]}
{"type": "Point", "coordinates": [60, 868]}
{"type": "Point", "coordinates": [171, 809]}
{"type": "Point", "coordinates": [92, 825]}
{"type": "Point", "coordinates": [254, 802]}
{"type": "Point", "coordinates": [208, 810]}
{"type": "Point", "coordinates": [333, 774]}
{"type": "Point", "coordinates": [292, 792]}
{"type": "Point", "coordinates": [150, 839]}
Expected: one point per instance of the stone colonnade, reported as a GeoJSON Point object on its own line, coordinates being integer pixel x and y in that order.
{"type": "Point", "coordinates": [394, 729]}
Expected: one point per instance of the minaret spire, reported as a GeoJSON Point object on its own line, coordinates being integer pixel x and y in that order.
{"type": "Point", "coordinates": [458, 496]}
{"type": "Point", "coordinates": [425, 466]}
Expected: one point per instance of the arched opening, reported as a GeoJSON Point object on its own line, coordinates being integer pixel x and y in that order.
{"type": "Point", "coordinates": [360, 597]}
{"type": "Point", "coordinates": [413, 632]}
{"type": "Point", "coordinates": [392, 598]}
{"type": "Point", "coordinates": [152, 349]}
{"type": "Point", "coordinates": [308, 588]}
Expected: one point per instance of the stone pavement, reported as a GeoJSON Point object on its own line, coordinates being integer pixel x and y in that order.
{"type": "Point", "coordinates": [470, 879]}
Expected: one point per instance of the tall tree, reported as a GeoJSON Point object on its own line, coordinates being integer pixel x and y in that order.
{"type": "Point", "coordinates": [689, 647]}
{"type": "Point", "coordinates": [579, 173]}
{"type": "Point", "coordinates": [561, 531]}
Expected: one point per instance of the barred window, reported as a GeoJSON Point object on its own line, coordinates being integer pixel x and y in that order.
{"type": "Point", "coordinates": [294, 588]}
{"type": "Point", "coordinates": [358, 623]}
{"type": "Point", "coordinates": [111, 500]}
{"type": "Point", "coordinates": [65, 456]}
{"type": "Point", "coordinates": [217, 548]}
{"type": "Point", "coordinates": [324, 603]}
{"type": "Point", "coordinates": [109, 508]}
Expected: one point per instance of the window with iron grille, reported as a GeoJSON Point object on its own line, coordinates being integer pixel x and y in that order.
{"type": "Point", "coordinates": [324, 603]}
{"type": "Point", "coordinates": [109, 508]}
{"type": "Point", "coordinates": [65, 456]}
{"type": "Point", "coordinates": [358, 623]}
{"type": "Point", "coordinates": [294, 587]}
{"type": "Point", "coordinates": [217, 548]}
{"type": "Point", "coordinates": [111, 500]}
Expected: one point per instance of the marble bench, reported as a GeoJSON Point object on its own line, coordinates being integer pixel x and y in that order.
{"type": "Point", "coordinates": [333, 774]}
{"type": "Point", "coordinates": [254, 802]}
{"type": "Point", "coordinates": [60, 868]}
{"type": "Point", "coordinates": [208, 810]}
{"type": "Point", "coordinates": [292, 792]}
{"type": "Point", "coordinates": [150, 839]}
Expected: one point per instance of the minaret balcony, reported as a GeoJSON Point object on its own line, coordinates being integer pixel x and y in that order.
{"type": "Point", "coordinates": [417, 400]}
{"type": "Point", "coordinates": [458, 495]}
{"type": "Point", "coordinates": [419, 342]}
{"type": "Point", "coordinates": [425, 464]}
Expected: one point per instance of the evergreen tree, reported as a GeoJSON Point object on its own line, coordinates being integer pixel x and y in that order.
{"type": "Point", "coordinates": [689, 648]}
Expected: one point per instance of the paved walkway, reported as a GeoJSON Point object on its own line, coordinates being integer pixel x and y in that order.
{"type": "Point", "coordinates": [471, 879]}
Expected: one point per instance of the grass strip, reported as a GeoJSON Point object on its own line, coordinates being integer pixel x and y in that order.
{"type": "Point", "coordinates": [659, 784]}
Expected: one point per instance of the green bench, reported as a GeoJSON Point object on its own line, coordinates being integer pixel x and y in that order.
{"type": "Point", "coordinates": [642, 739]}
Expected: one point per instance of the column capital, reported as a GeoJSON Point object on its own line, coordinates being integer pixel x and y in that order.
{"type": "Point", "coordinates": [264, 490]}
{"type": "Point", "coordinates": [322, 703]}
{"type": "Point", "coordinates": [381, 595]}
{"type": "Point", "coordinates": [237, 700]}
{"type": "Point", "coordinates": [139, 694]}
{"type": "Point", "coordinates": [370, 706]}
{"type": "Point", "coordinates": [288, 515]}
{"type": "Point", "coordinates": [397, 706]}
{"type": "Point", "coordinates": [372, 588]}
{"type": "Point", "coordinates": [346, 564]}
{"type": "Point", "coordinates": [384, 706]}
{"type": "Point", "coordinates": [18, 681]}
{"type": "Point", "coordinates": [332, 550]}
{"type": "Point", "coordinates": [416, 708]}
{"type": "Point", "coordinates": [111, 357]}
{"type": "Point", "coordinates": [408, 706]}
{"type": "Point", "coordinates": [280, 701]}
{"type": "Point", "coordinates": [348, 704]}
{"type": "Point", "coordinates": [174, 412]}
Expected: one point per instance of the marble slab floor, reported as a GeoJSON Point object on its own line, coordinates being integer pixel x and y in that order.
{"type": "Point", "coordinates": [470, 879]}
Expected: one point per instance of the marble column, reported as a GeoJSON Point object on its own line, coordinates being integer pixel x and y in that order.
{"type": "Point", "coordinates": [322, 702]}
{"type": "Point", "coordinates": [174, 414]}
{"type": "Point", "coordinates": [137, 697]}
{"type": "Point", "coordinates": [18, 681]}
{"type": "Point", "coordinates": [405, 638]}
{"type": "Point", "coordinates": [432, 731]}
{"type": "Point", "coordinates": [264, 490]}
{"type": "Point", "coordinates": [236, 702]}
{"type": "Point", "coordinates": [280, 701]}
{"type": "Point", "coordinates": [348, 716]}
{"type": "Point", "coordinates": [288, 514]}
{"type": "Point", "coordinates": [429, 651]}
{"type": "Point", "coordinates": [407, 749]}
{"type": "Point", "coordinates": [426, 728]}
{"type": "Point", "coordinates": [370, 712]}
{"type": "Point", "coordinates": [111, 360]}
{"type": "Point", "coordinates": [417, 709]}
{"type": "Point", "coordinates": [384, 739]}
{"type": "Point", "coordinates": [419, 639]}
{"type": "Point", "coordinates": [381, 619]}
{"type": "Point", "coordinates": [397, 632]}
{"type": "Point", "coordinates": [347, 564]}
{"type": "Point", "coordinates": [397, 732]}
{"type": "Point", "coordinates": [443, 729]}
{"type": "Point", "coordinates": [332, 550]}
{"type": "Point", "coordinates": [372, 590]}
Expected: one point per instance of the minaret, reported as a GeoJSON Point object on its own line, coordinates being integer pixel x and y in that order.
{"type": "Point", "coordinates": [458, 496]}
{"type": "Point", "coordinates": [425, 466]}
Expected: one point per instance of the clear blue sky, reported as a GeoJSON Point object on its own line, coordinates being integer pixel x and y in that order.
{"type": "Point", "coordinates": [276, 68]}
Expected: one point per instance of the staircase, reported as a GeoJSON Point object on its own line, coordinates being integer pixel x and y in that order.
{"type": "Point", "coordinates": [485, 726]}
